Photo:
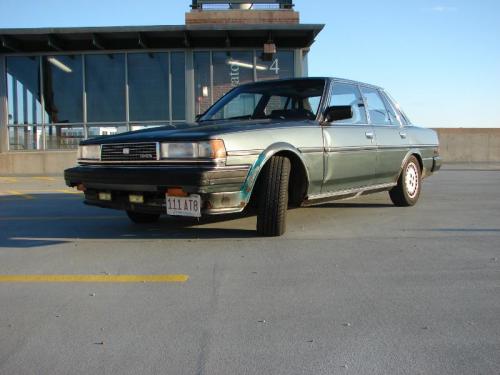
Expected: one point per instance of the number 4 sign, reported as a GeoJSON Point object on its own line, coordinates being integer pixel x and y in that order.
{"type": "Point", "coordinates": [275, 67]}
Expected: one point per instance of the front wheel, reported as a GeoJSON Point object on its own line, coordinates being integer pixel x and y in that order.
{"type": "Point", "coordinates": [407, 191]}
{"type": "Point", "coordinates": [273, 197]}
{"type": "Point", "coordinates": [142, 218]}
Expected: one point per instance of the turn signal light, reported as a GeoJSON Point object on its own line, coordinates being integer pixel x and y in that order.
{"type": "Point", "coordinates": [176, 192]}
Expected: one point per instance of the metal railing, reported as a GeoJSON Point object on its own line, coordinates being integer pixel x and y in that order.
{"type": "Point", "coordinates": [271, 4]}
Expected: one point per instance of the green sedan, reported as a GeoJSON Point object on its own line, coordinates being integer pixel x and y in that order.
{"type": "Point", "coordinates": [267, 146]}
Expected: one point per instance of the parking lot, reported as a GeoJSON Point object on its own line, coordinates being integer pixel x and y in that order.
{"type": "Point", "coordinates": [358, 287]}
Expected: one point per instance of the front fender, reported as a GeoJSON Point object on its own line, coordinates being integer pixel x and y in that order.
{"type": "Point", "coordinates": [268, 153]}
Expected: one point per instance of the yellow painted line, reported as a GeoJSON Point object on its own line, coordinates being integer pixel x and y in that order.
{"type": "Point", "coordinates": [93, 278]}
{"type": "Point", "coordinates": [8, 180]}
{"type": "Point", "coordinates": [67, 191]}
{"type": "Point", "coordinates": [20, 194]}
{"type": "Point", "coordinates": [46, 218]}
{"type": "Point", "coordinates": [43, 178]}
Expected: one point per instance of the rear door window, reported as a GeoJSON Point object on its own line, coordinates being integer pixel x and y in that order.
{"type": "Point", "coordinates": [390, 109]}
{"type": "Point", "coordinates": [376, 107]}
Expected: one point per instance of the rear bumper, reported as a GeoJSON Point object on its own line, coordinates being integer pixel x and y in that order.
{"type": "Point", "coordinates": [219, 187]}
{"type": "Point", "coordinates": [436, 163]}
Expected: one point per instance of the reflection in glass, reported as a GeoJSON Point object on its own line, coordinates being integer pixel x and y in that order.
{"type": "Point", "coordinates": [23, 90]}
{"type": "Point", "coordinates": [202, 85]}
{"type": "Point", "coordinates": [63, 89]}
{"type": "Point", "coordinates": [231, 69]}
{"type": "Point", "coordinates": [280, 66]}
{"type": "Point", "coordinates": [105, 87]}
{"type": "Point", "coordinates": [63, 136]}
{"type": "Point", "coordinates": [284, 101]}
{"type": "Point", "coordinates": [178, 70]}
{"type": "Point", "coordinates": [96, 131]}
{"type": "Point", "coordinates": [148, 86]}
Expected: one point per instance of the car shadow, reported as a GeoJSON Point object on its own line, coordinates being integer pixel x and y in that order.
{"type": "Point", "coordinates": [51, 219]}
{"type": "Point", "coordinates": [354, 205]}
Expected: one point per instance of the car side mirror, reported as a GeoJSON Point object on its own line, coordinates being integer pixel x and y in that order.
{"type": "Point", "coordinates": [338, 112]}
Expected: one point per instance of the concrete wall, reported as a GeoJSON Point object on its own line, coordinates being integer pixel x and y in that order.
{"type": "Point", "coordinates": [457, 145]}
{"type": "Point", "coordinates": [469, 145]}
{"type": "Point", "coordinates": [36, 163]}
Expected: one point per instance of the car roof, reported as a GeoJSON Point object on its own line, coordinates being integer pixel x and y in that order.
{"type": "Point", "coordinates": [334, 79]}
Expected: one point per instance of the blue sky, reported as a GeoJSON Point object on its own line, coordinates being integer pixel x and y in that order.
{"type": "Point", "coordinates": [439, 58]}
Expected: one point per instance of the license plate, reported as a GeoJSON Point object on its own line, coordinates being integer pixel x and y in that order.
{"type": "Point", "coordinates": [184, 206]}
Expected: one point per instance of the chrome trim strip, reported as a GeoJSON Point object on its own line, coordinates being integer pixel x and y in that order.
{"type": "Point", "coordinates": [153, 162]}
{"type": "Point", "coordinates": [244, 167]}
{"type": "Point", "coordinates": [158, 151]}
{"type": "Point", "coordinates": [244, 152]}
{"type": "Point", "coordinates": [350, 148]}
{"type": "Point", "coordinates": [310, 150]}
{"type": "Point", "coordinates": [350, 191]}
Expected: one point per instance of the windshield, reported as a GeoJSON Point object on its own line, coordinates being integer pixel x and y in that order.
{"type": "Point", "coordinates": [285, 100]}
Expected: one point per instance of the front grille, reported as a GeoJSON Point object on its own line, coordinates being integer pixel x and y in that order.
{"type": "Point", "coordinates": [129, 152]}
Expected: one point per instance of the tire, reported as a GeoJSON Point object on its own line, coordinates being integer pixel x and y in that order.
{"type": "Point", "coordinates": [407, 191]}
{"type": "Point", "coordinates": [141, 218]}
{"type": "Point", "coordinates": [273, 197]}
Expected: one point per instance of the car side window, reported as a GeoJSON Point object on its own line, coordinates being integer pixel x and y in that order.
{"type": "Point", "coordinates": [349, 95]}
{"type": "Point", "coordinates": [376, 107]}
{"type": "Point", "coordinates": [390, 109]}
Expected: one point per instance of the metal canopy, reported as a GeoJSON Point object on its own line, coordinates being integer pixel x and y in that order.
{"type": "Point", "coordinates": [156, 37]}
{"type": "Point", "coordinates": [283, 4]}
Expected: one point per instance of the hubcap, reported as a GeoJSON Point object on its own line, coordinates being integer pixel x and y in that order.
{"type": "Point", "coordinates": [411, 180]}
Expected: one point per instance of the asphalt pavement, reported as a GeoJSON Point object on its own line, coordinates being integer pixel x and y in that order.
{"type": "Point", "coordinates": [354, 287]}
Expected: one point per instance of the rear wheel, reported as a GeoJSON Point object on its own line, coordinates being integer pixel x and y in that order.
{"type": "Point", "coordinates": [407, 191]}
{"type": "Point", "coordinates": [142, 218]}
{"type": "Point", "coordinates": [273, 197]}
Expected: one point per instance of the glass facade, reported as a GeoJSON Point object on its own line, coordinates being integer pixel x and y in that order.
{"type": "Point", "coordinates": [217, 72]}
{"type": "Point", "coordinates": [56, 100]}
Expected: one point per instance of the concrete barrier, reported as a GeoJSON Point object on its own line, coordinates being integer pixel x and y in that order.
{"type": "Point", "coordinates": [469, 145]}
{"type": "Point", "coordinates": [463, 145]}
{"type": "Point", "coordinates": [42, 163]}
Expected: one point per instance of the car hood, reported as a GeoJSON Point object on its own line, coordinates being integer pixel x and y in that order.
{"type": "Point", "coordinates": [191, 131]}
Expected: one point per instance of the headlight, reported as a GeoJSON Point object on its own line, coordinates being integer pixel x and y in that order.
{"type": "Point", "coordinates": [91, 152]}
{"type": "Point", "coordinates": [214, 149]}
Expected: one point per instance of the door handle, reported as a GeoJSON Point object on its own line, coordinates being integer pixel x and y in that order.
{"type": "Point", "coordinates": [369, 135]}
{"type": "Point", "coordinates": [402, 135]}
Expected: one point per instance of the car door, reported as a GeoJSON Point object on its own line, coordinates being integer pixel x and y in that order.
{"type": "Point", "coordinates": [391, 140]}
{"type": "Point", "coordinates": [350, 149]}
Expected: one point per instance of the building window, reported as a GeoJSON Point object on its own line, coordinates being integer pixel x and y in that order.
{"type": "Point", "coordinates": [279, 66]}
{"type": "Point", "coordinates": [63, 89]}
{"type": "Point", "coordinates": [178, 74]}
{"type": "Point", "coordinates": [148, 86]}
{"type": "Point", "coordinates": [231, 69]}
{"type": "Point", "coordinates": [24, 102]}
{"type": "Point", "coordinates": [105, 87]}
{"type": "Point", "coordinates": [23, 86]}
{"type": "Point", "coordinates": [202, 82]}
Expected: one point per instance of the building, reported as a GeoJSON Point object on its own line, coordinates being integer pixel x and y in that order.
{"type": "Point", "coordinates": [61, 85]}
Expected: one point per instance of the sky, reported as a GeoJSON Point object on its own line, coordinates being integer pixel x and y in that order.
{"type": "Point", "coordinates": [440, 59]}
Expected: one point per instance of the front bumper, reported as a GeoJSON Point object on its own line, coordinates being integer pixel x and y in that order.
{"type": "Point", "coordinates": [221, 188]}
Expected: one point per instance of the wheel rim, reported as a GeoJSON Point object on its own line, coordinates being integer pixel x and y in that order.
{"type": "Point", "coordinates": [411, 180]}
